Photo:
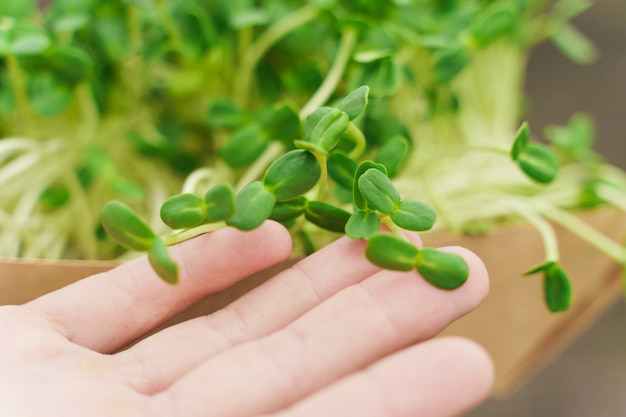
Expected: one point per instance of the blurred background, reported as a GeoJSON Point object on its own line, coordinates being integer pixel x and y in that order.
{"type": "Point", "coordinates": [588, 379]}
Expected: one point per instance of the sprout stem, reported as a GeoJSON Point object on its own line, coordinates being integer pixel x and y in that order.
{"type": "Point", "coordinates": [359, 139]}
{"type": "Point", "coordinates": [325, 90]}
{"type": "Point", "coordinates": [273, 151]}
{"type": "Point", "coordinates": [263, 44]}
{"type": "Point", "coordinates": [322, 184]}
{"type": "Point", "coordinates": [542, 226]}
{"type": "Point", "coordinates": [19, 89]}
{"type": "Point", "coordinates": [595, 238]}
{"type": "Point", "coordinates": [191, 233]}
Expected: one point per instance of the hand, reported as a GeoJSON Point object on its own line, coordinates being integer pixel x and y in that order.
{"type": "Point", "coordinates": [332, 336]}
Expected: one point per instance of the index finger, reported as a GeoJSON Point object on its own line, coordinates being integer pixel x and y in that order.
{"type": "Point", "coordinates": [108, 311]}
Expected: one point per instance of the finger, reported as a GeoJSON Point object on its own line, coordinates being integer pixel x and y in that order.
{"type": "Point", "coordinates": [349, 331]}
{"type": "Point", "coordinates": [107, 311]}
{"type": "Point", "coordinates": [263, 310]}
{"type": "Point", "coordinates": [439, 378]}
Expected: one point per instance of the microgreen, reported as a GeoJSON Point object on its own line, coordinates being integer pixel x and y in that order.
{"type": "Point", "coordinates": [556, 285]}
{"type": "Point", "coordinates": [283, 195]}
{"type": "Point", "coordinates": [352, 117]}
{"type": "Point", "coordinates": [183, 211]}
{"type": "Point", "coordinates": [536, 160]}
{"type": "Point", "coordinates": [254, 204]}
{"type": "Point", "coordinates": [126, 226]}
{"type": "Point", "coordinates": [292, 175]}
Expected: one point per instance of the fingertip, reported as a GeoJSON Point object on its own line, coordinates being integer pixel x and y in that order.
{"type": "Point", "coordinates": [478, 364]}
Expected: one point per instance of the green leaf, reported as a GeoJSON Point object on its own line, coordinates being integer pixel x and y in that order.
{"type": "Point", "coordinates": [414, 215]}
{"type": "Point", "coordinates": [539, 268]}
{"type": "Point", "coordinates": [225, 114]}
{"type": "Point", "coordinates": [29, 40]}
{"type": "Point", "coordinates": [379, 191]}
{"type": "Point", "coordinates": [448, 63]}
{"type": "Point", "coordinates": [127, 188]}
{"type": "Point", "coordinates": [244, 146]}
{"type": "Point", "coordinates": [341, 169]}
{"type": "Point", "coordinates": [254, 205]}
{"type": "Point", "coordinates": [220, 202]}
{"type": "Point", "coordinates": [442, 269]}
{"type": "Point", "coordinates": [391, 252]}
{"type": "Point", "coordinates": [55, 196]}
{"type": "Point", "coordinates": [183, 211]}
{"type": "Point", "coordinates": [359, 200]}
{"type": "Point", "coordinates": [393, 153]}
{"type": "Point", "coordinates": [48, 96]}
{"type": "Point", "coordinates": [575, 45]}
{"type": "Point", "coordinates": [293, 174]}
{"type": "Point", "coordinates": [69, 21]}
{"type": "Point", "coordinates": [522, 136]}
{"type": "Point", "coordinates": [285, 211]}
{"type": "Point", "coordinates": [329, 129]}
{"type": "Point", "coordinates": [354, 104]}
{"type": "Point", "coordinates": [17, 8]}
{"type": "Point", "coordinates": [384, 76]}
{"type": "Point", "coordinates": [126, 226]}
{"type": "Point", "coordinates": [326, 216]}
{"type": "Point", "coordinates": [312, 120]}
{"type": "Point", "coordinates": [576, 138]}
{"type": "Point", "coordinates": [495, 23]}
{"type": "Point", "coordinates": [111, 34]}
{"type": "Point", "coordinates": [538, 163]}
{"type": "Point", "coordinates": [281, 123]}
{"type": "Point", "coordinates": [363, 224]}
{"type": "Point", "coordinates": [73, 64]}
{"type": "Point", "coordinates": [567, 9]}
{"type": "Point", "coordinates": [557, 289]}
{"type": "Point", "coordinates": [162, 263]}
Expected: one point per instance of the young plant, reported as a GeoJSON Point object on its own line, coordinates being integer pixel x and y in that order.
{"type": "Point", "coordinates": [134, 100]}
{"type": "Point", "coordinates": [289, 191]}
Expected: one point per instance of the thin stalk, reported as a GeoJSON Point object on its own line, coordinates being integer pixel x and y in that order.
{"type": "Point", "coordinates": [613, 195]}
{"type": "Point", "coordinates": [256, 170]}
{"type": "Point", "coordinates": [176, 39]}
{"type": "Point", "coordinates": [359, 139]}
{"type": "Point", "coordinates": [542, 226]}
{"type": "Point", "coordinates": [598, 240]}
{"type": "Point", "coordinates": [328, 86]}
{"type": "Point", "coordinates": [322, 184]}
{"type": "Point", "coordinates": [394, 228]}
{"type": "Point", "coordinates": [16, 78]}
{"type": "Point", "coordinates": [191, 233]}
{"type": "Point", "coordinates": [90, 113]}
{"type": "Point", "coordinates": [268, 38]}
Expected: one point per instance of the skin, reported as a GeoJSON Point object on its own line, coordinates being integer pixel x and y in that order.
{"type": "Point", "coordinates": [330, 336]}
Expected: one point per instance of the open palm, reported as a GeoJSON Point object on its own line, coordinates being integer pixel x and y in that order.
{"type": "Point", "coordinates": [330, 336]}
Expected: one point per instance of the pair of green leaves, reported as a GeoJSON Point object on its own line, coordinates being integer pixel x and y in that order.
{"type": "Point", "coordinates": [537, 161]}
{"type": "Point", "coordinates": [185, 211]}
{"type": "Point", "coordinates": [442, 269]}
{"type": "Point", "coordinates": [557, 289]}
{"type": "Point", "coordinates": [128, 228]}
{"type": "Point", "coordinates": [290, 176]}
{"type": "Point", "coordinates": [324, 128]}
{"type": "Point", "coordinates": [374, 196]}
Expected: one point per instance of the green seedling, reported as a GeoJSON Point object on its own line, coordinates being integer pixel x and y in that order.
{"type": "Point", "coordinates": [557, 288]}
{"type": "Point", "coordinates": [282, 195]}
{"type": "Point", "coordinates": [353, 117]}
